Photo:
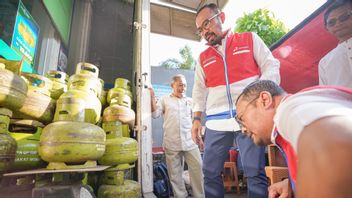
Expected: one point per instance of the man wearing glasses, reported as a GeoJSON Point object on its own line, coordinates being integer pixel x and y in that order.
{"type": "Point", "coordinates": [335, 68]}
{"type": "Point", "coordinates": [232, 61]}
{"type": "Point", "coordinates": [312, 127]}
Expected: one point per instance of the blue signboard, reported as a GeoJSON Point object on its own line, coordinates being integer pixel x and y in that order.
{"type": "Point", "coordinates": [161, 90]}
{"type": "Point", "coordinates": [25, 35]}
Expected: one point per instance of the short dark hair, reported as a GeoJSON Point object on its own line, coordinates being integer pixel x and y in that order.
{"type": "Point", "coordinates": [334, 6]}
{"type": "Point", "coordinates": [255, 88]}
{"type": "Point", "coordinates": [211, 6]}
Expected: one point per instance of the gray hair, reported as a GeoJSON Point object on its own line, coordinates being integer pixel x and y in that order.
{"type": "Point", "coordinates": [176, 78]}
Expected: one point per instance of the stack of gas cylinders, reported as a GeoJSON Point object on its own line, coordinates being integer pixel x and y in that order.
{"type": "Point", "coordinates": [73, 140]}
{"type": "Point", "coordinates": [121, 150]}
{"type": "Point", "coordinates": [58, 122]}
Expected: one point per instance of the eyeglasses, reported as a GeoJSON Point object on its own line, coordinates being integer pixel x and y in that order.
{"type": "Point", "coordinates": [239, 118]}
{"type": "Point", "coordinates": [206, 24]}
{"type": "Point", "coordinates": [341, 18]}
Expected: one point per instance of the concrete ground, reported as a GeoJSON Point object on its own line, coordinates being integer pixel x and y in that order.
{"type": "Point", "coordinates": [233, 194]}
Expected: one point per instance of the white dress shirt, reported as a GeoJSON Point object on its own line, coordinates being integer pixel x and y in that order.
{"type": "Point", "coordinates": [335, 68]}
{"type": "Point", "coordinates": [177, 114]}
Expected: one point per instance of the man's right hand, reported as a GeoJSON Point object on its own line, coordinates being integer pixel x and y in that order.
{"type": "Point", "coordinates": [152, 93]}
{"type": "Point", "coordinates": [280, 189]}
{"type": "Point", "coordinates": [152, 99]}
{"type": "Point", "coordinates": [197, 133]}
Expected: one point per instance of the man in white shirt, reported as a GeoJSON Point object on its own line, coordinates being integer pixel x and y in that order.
{"type": "Point", "coordinates": [312, 127]}
{"type": "Point", "coordinates": [335, 68]}
{"type": "Point", "coordinates": [177, 142]}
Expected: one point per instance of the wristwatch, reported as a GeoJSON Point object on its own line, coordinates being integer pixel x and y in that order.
{"type": "Point", "coordinates": [196, 118]}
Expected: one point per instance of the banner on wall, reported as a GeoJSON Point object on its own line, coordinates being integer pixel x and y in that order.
{"type": "Point", "coordinates": [161, 90]}
{"type": "Point", "coordinates": [25, 35]}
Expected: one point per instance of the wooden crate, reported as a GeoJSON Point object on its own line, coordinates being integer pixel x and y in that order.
{"type": "Point", "coordinates": [276, 174]}
{"type": "Point", "coordinates": [275, 156]}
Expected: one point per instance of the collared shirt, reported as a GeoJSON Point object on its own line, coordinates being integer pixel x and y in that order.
{"type": "Point", "coordinates": [177, 114]}
{"type": "Point", "coordinates": [269, 70]}
{"type": "Point", "coordinates": [335, 68]}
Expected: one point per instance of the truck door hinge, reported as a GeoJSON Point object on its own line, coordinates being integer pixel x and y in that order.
{"type": "Point", "coordinates": [139, 25]}
{"type": "Point", "coordinates": [138, 128]}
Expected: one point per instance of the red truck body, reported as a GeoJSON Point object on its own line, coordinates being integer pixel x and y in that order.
{"type": "Point", "coordinates": [300, 51]}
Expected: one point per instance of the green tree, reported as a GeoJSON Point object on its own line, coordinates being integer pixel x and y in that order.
{"type": "Point", "coordinates": [188, 62]}
{"type": "Point", "coordinates": [171, 63]}
{"type": "Point", "coordinates": [264, 23]}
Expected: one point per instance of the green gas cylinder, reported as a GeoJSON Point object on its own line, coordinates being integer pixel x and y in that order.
{"type": "Point", "coordinates": [102, 94]}
{"type": "Point", "coordinates": [116, 129]}
{"type": "Point", "coordinates": [120, 113]}
{"type": "Point", "coordinates": [121, 92]}
{"type": "Point", "coordinates": [76, 105]}
{"type": "Point", "coordinates": [87, 68]}
{"type": "Point", "coordinates": [7, 143]}
{"type": "Point", "coordinates": [71, 142]}
{"type": "Point", "coordinates": [122, 83]}
{"type": "Point", "coordinates": [15, 66]}
{"type": "Point", "coordinates": [130, 189]}
{"type": "Point", "coordinates": [38, 104]}
{"type": "Point", "coordinates": [85, 82]}
{"type": "Point", "coordinates": [59, 80]}
{"type": "Point", "coordinates": [120, 96]}
{"type": "Point", "coordinates": [13, 90]}
{"type": "Point", "coordinates": [27, 156]}
{"type": "Point", "coordinates": [119, 150]}
{"type": "Point", "coordinates": [116, 175]}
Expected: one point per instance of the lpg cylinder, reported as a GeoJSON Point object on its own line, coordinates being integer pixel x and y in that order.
{"type": "Point", "coordinates": [122, 89]}
{"type": "Point", "coordinates": [71, 142]}
{"type": "Point", "coordinates": [116, 175]}
{"type": "Point", "coordinates": [76, 105]}
{"type": "Point", "coordinates": [122, 83]}
{"type": "Point", "coordinates": [119, 150]}
{"type": "Point", "coordinates": [116, 129]}
{"type": "Point", "coordinates": [102, 93]}
{"type": "Point", "coordinates": [120, 113]}
{"type": "Point", "coordinates": [27, 156]}
{"type": "Point", "coordinates": [13, 90]}
{"type": "Point", "coordinates": [7, 143]}
{"type": "Point", "coordinates": [15, 66]}
{"type": "Point", "coordinates": [130, 189]}
{"type": "Point", "coordinates": [87, 68]}
{"type": "Point", "coordinates": [85, 82]}
{"type": "Point", "coordinates": [120, 96]}
{"type": "Point", "coordinates": [59, 80]}
{"type": "Point", "coordinates": [38, 104]}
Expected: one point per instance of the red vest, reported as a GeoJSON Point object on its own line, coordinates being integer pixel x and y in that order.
{"type": "Point", "coordinates": [290, 156]}
{"type": "Point", "coordinates": [240, 62]}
